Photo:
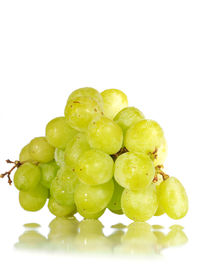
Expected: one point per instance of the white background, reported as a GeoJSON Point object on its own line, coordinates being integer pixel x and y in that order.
{"type": "Point", "coordinates": [149, 49]}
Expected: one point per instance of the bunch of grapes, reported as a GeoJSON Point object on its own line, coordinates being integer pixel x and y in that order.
{"type": "Point", "coordinates": [100, 154]}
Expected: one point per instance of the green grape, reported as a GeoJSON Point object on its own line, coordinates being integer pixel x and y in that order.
{"type": "Point", "coordinates": [75, 148]}
{"type": "Point", "coordinates": [89, 92]}
{"type": "Point", "coordinates": [48, 173]}
{"type": "Point", "coordinates": [140, 205]}
{"type": "Point", "coordinates": [34, 199]}
{"type": "Point", "coordinates": [146, 136]}
{"type": "Point", "coordinates": [128, 117]}
{"type": "Point", "coordinates": [59, 157]}
{"type": "Point", "coordinates": [161, 154]}
{"type": "Point", "coordinates": [80, 111]}
{"type": "Point", "coordinates": [114, 100]}
{"type": "Point", "coordinates": [94, 167]}
{"type": "Point", "coordinates": [63, 186]}
{"type": "Point", "coordinates": [115, 203]}
{"type": "Point", "coordinates": [119, 212]}
{"type": "Point", "coordinates": [160, 210]}
{"type": "Point", "coordinates": [104, 134]}
{"type": "Point", "coordinates": [93, 199]}
{"type": "Point", "coordinates": [59, 210]}
{"type": "Point", "coordinates": [27, 176]}
{"type": "Point", "coordinates": [173, 198]}
{"type": "Point", "coordinates": [41, 150]}
{"type": "Point", "coordinates": [134, 170]}
{"type": "Point", "coordinates": [91, 215]}
{"type": "Point", "coordinates": [25, 154]}
{"type": "Point", "coordinates": [58, 132]}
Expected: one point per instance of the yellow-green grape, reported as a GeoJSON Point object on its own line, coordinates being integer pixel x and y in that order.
{"type": "Point", "coordinates": [63, 186]}
{"type": "Point", "coordinates": [114, 100]}
{"type": "Point", "coordinates": [91, 215]}
{"type": "Point", "coordinates": [41, 150]}
{"type": "Point", "coordinates": [80, 111]}
{"type": "Point", "coordinates": [77, 146]}
{"type": "Point", "coordinates": [173, 198]}
{"type": "Point", "coordinates": [146, 136]}
{"type": "Point", "coordinates": [160, 210]}
{"type": "Point", "coordinates": [48, 173]}
{"type": "Point", "coordinates": [58, 132]}
{"type": "Point", "coordinates": [59, 157]}
{"type": "Point", "coordinates": [34, 199]}
{"type": "Point", "coordinates": [93, 199]}
{"type": "Point", "coordinates": [134, 170]}
{"type": "Point", "coordinates": [27, 176]}
{"type": "Point", "coordinates": [94, 167]}
{"type": "Point", "coordinates": [161, 154]}
{"type": "Point", "coordinates": [106, 135]}
{"type": "Point", "coordinates": [176, 237]}
{"type": "Point", "coordinates": [25, 154]}
{"type": "Point", "coordinates": [89, 92]}
{"type": "Point", "coordinates": [140, 205]}
{"type": "Point", "coordinates": [59, 210]}
{"type": "Point", "coordinates": [128, 117]}
{"type": "Point", "coordinates": [115, 203]}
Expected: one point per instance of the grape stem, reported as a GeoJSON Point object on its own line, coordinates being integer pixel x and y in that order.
{"type": "Point", "coordinates": [159, 170]}
{"type": "Point", "coordinates": [120, 152]}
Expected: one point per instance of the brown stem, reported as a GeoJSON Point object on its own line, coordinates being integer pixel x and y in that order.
{"type": "Point", "coordinates": [120, 152]}
{"type": "Point", "coordinates": [17, 164]}
{"type": "Point", "coordinates": [161, 172]}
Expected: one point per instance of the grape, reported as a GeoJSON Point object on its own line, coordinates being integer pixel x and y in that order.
{"type": "Point", "coordinates": [94, 167]}
{"type": "Point", "coordinates": [113, 101]}
{"type": "Point", "coordinates": [58, 132]}
{"type": "Point", "coordinates": [27, 176]}
{"type": "Point", "coordinates": [75, 148]}
{"type": "Point", "coordinates": [41, 150]}
{"type": "Point", "coordinates": [161, 154]}
{"type": "Point", "coordinates": [59, 157]}
{"type": "Point", "coordinates": [34, 199]}
{"type": "Point", "coordinates": [89, 92]}
{"type": "Point", "coordinates": [80, 111]}
{"type": "Point", "coordinates": [173, 198]}
{"type": "Point", "coordinates": [140, 205]}
{"type": "Point", "coordinates": [115, 203]}
{"type": "Point", "coordinates": [93, 199]}
{"type": "Point", "coordinates": [145, 136]}
{"type": "Point", "coordinates": [128, 117]}
{"type": "Point", "coordinates": [48, 173]}
{"type": "Point", "coordinates": [160, 210]}
{"type": "Point", "coordinates": [59, 210]}
{"type": "Point", "coordinates": [63, 186]}
{"type": "Point", "coordinates": [104, 134]}
{"type": "Point", "coordinates": [91, 215]}
{"type": "Point", "coordinates": [25, 154]}
{"type": "Point", "coordinates": [134, 170]}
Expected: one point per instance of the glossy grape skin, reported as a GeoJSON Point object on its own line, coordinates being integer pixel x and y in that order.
{"type": "Point", "coordinates": [134, 171]}
{"type": "Point", "coordinates": [104, 134]}
{"type": "Point", "coordinates": [27, 177]}
{"type": "Point", "coordinates": [114, 100]}
{"type": "Point", "coordinates": [59, 210]}
{"type": "Point", "coordinates": [173, 198]}
{"type": "Point", "coordinates": [48, 173]}
{"type": "Point", "coordinates": [160, 210]}
{"type": "Point", "coordinates": [140, 205]}
{"type": "Point", "coordinates": [58, 132]}
{"type": "Point", "coordinates": [77, 146]}
{"type": "Point", "coordinates": [59, 157]}
{"type": "Point", "coordinates": [34, 199]}
{"type": "Point", "coordinates": [94, 167]}
{"type": "Point", "coordinates": [93, 199]}
{"type": "Point", "coordinates": [25, 154]}
{"type": "Point", "coordinates": [115, 203]}
{"type": "Point", "coordinates": [41, 150]}
{"type": "Point", "coordinates": [146, 136]}
{"type": "Point", "coordinates": [80, 111]}
{"type": "Point", "coordinates": [91, 215]}
{"type": "Point", "coordinates": [128, 117]}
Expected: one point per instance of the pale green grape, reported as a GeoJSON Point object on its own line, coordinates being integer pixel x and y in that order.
{"type": "Point", "coordinates": [58, 132]}
{"type": "Point", "coordinates": [25, 154]}
{"type": "Point", "coordinates": [134, 170]}
{"type": "Point", "coordinates": [173, 198]}
{"type": "Point", "coordinates": [59, 210]}
{"type": "Point", "coordinates": [89, 92]}
{"type": "Point", "coordinates": [146, 136]}
{"type": "Point", "coordinates": [115, 203]}
{"type": "Point", "coordinates": [114, 100]}
{"type": "Point", "coordinates": [63, 186]}
{"type": "Point", "coordinates": [128, 117]}
{"type": "Point", "coordinates": [91, 215]}
{"type": "Point", "coordinates": [140, 205]}
{"type": "Point", "coordinates": [93, 199]}
{"type": "Point", "coordinates": [161, 154]}
{"type": "Point", "coordinates": [27, 176]}
{"type": "Point", "coordinates": [48, 173]}
{"type": "Point", "coordinates": [104, 134]}
{"type": "Point", "coordinates": [34, 199]}
{"type": "Point", "coordinates": [94, 167]}
{"type": "Point", "coordinates": [80, 111]}
{"type": "Point", "coordinates": [59, 157]}
{"type": "Point", "coordinates": [160, 210]}
{"type": "Point", "coordinates": [41, 150]}
{"type": "Point", "coordinates": [75, 148]}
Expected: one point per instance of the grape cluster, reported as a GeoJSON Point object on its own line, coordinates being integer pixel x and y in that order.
{"type": "Point", "coordinates": [100, 154]}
